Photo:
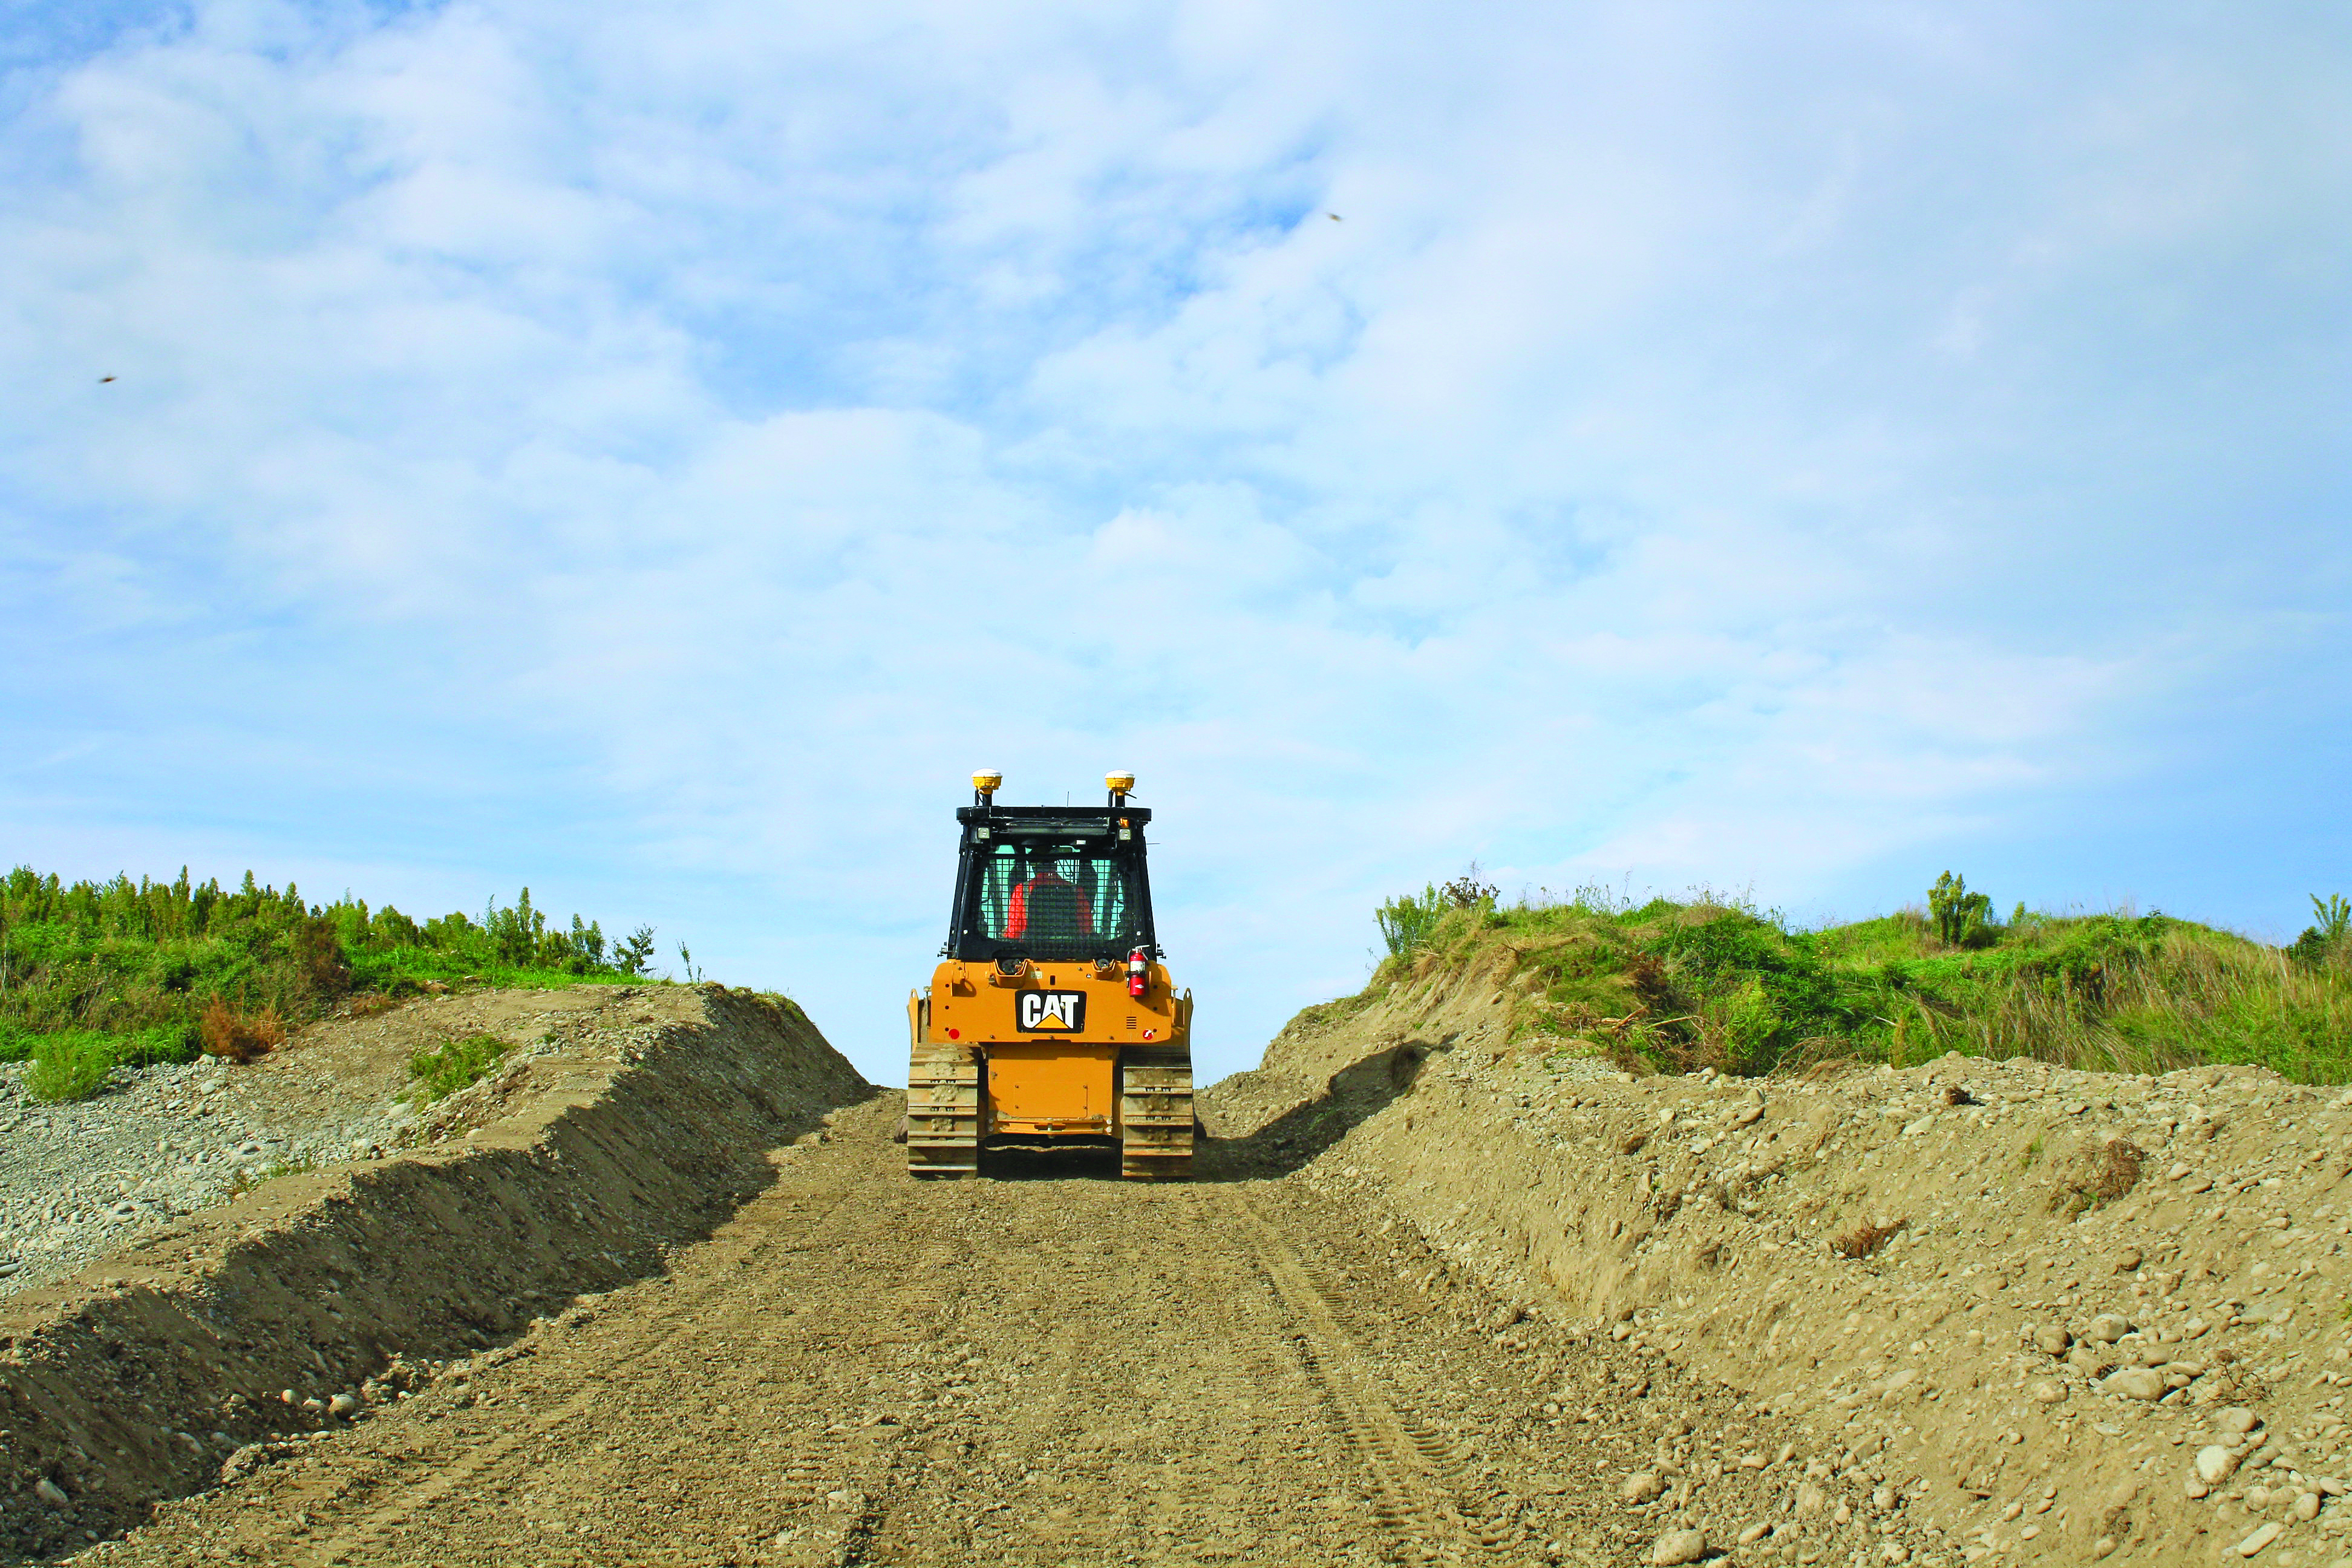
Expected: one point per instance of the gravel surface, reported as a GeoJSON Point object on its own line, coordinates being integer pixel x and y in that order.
{"type": "Point", "coordinates": [83, 1179]}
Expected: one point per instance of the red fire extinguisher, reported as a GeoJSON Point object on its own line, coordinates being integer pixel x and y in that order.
{"type": "Point", "coordinates": [1135, 972]}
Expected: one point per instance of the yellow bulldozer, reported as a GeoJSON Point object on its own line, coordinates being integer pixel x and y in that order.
{"type": "Point", "coordinates": [1051, 1021]}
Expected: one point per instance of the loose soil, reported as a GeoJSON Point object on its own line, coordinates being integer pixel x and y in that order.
{"type": "Point", "coordinates": [1052, 1368]}
{"type": "Point", "coordinates": [1438, 1294]}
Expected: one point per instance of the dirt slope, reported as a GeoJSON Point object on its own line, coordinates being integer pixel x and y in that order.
{"type": "Point", "coordinates": [94, 1176]}
{"type": "Point", "coordinates": [1045, 1370]}
{"type": "Point", "coordinates": [2095, 1279]}
{"type": "Point", "coordinates": [628, 1123]}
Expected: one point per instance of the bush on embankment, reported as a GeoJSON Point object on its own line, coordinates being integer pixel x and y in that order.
{"type": "Point", "coordinates": [96, 975]}
{"type": "Point", "coordinates": [1715, 981]}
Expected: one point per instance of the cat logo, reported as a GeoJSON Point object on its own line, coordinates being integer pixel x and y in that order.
{"type": "Point", "coordinates": [1054, 1012]}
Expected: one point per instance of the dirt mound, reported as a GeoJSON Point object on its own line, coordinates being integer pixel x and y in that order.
{"type": "Point", "coordinates": [89, 1177]}
{"type": "Point", "coordinates": [627, 1124]}
{"type": "Point", "coordinates": [2066, 1315]}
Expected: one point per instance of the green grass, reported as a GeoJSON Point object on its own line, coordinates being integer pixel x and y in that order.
{"type": "Point", "coordinates": [1711, 981]}
{"type": "Point", "coordinates": [459, 1064]}
{"type": "Point", "coordinates": [99, 975]}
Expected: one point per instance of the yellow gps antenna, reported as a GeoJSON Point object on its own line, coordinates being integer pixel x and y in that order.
{"type": "Point", "coordinates": [986, 783]}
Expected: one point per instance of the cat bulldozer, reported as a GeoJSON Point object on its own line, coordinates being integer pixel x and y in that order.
{"type": "Point", "coordinates": [1051, 1021]}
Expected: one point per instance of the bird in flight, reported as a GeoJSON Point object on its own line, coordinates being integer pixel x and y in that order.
{"type": "Point", "coordinates": [103, 379]}
{"type": "Point", "coordinates": [1333, 217]}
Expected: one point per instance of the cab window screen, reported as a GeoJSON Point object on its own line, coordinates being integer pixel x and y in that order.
{"type": "Point", "coordinates": [1054, 903]}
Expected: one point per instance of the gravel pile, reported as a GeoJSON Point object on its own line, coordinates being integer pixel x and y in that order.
{"type": "Point", "coordinates": [83, 1179]}
{"type": "Point", "coordinates": [2067, 1314]}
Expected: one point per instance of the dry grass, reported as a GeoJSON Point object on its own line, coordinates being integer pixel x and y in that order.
{"type": "Point", "coordinates": [238, 1035]}
{"type": "Point", "coordinates": [1865, 1238]}
{"type": "Point", "coordinates": [2099, 1176]}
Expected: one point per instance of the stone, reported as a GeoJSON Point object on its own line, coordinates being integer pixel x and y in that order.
{"type": "Point", "coordinates": [2306, 1505]}
{"type": "Point", "coordinates": [2134, 1383]}
{"type": "Point", "coordinates": [2052, 1340]}
{"type": "Point", "coordinates": [2049, 1392]}
{"type": "Point", "coordinates": [1811, 1499]}
{"type": "Point", "coordinates": [2127, 1261]}
{"type": "Point", "coordinates": [2262, 1536]}
{"type": "Point", "coordinates": [2237, 1418]}
{"type": "Point", "coordinates": [2104, 1546]}
{"type": "Point", "coordinates": [2215, 1464]}
{"type": "Point", "coordinates": [343, 1404]}
{"type": "Point", "coordinates": [1755, 1533]}
{"type": "Point", "coordinates": [1679, 1546]}
{"type": "Point", "coordinates": [49, 1492]}
{"type": "Point", "coordinates": [2106, 1329]}
{"type": "Point", "coordinates": [1640, 1487]}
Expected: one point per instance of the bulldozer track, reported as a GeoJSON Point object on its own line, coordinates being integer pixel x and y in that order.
{"type": "Point", "coordinates": [734, 1257]}
{"type": "Point", "coordinates": [1411, 1467]}
{"type": "Point", "coordinates": [861, 1368]}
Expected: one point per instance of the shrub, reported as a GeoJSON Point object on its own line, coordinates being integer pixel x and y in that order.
{"type": "Point", "coordinates": [1467, 891]}
{"type": "Point", "coordinates": [142, 966]}
{"type": "Point", "coordinates": [2325, 939]}
{"type": "Point", "coordinates": [318, 958]}
{"type": "Point", "coordinates": [459, 1064]}
{"type": "Point", "coordinates": [1960, 915]}
{"type": "Point", "coordinates": [237, 1035]}
{"type": "Point", "coordinates": [632, 953]}
{"type": "Point", "coordinates": [69, 1067]}
{"type": "Point", "coordinates": [1406, 922]}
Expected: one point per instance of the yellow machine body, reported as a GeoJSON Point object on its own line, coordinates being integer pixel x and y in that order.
{"type": "Point", "coordinates": [992, 1066]}
{"type": "Point", "coordinates": [1011, 1049]}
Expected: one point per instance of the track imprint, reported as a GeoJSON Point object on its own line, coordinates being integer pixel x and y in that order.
{"type": "Point", "coordinates": [1048, 1367]}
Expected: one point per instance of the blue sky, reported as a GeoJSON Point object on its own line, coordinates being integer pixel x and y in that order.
{"type": "Point", "coordinates": [654, 453]}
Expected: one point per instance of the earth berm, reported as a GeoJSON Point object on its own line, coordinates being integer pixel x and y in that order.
{"type": "Point", "coordinates": [1436, 1297]}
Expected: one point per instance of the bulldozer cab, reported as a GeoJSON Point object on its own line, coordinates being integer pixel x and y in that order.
{"type": "Point", "coordinates": [1051, 885]}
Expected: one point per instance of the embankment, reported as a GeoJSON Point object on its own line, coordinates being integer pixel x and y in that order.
{"type": "Point", "coordinates": [2059, 1315]}
{"type": "Point", "coordinates": [210, 1344]}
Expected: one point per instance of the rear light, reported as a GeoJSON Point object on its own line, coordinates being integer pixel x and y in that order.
{"type": "Point", "coordinates": [1135, 972]}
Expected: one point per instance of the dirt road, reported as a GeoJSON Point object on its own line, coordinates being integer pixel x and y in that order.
{"type": "Point", "coordinates": [1055, 1368]}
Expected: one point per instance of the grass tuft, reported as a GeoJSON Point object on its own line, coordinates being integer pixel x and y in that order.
{"type": "Point", "coordinates": [68, 1067]}
{"type": "Point", "coordinates": [459, 1064]}
{"type": "Point", "coordinates": [1866, 1238]}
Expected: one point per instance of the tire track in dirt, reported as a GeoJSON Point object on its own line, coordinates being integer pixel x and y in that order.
{"type": "Point", "coordinates": [1410, 1466]}
{"type": "Point", "coordinates": [862, 1369]}
{"type": "Point", "coordinates": [737, 1249]}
